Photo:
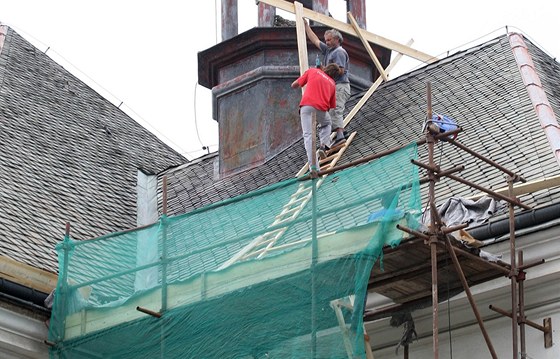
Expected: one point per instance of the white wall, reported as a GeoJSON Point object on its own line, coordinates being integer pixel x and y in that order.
{"type": "Point", "coordinates": [542, 299]}
{"type": "Point", "coordinates": [21, 336]}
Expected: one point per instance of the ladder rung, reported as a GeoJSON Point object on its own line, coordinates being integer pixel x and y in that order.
{"type": "Point", "coordinates": [253, 253]}
{"type": "Point", "coordinates": [265, 241]}
{"type": "Point", "coordinates": [301, 196]}
{"type": "Point", "coordinates": [277, 233]}
{"type": "Point", "coordinates": [293, 204]}
{"type": "Point", "coordinates": [297, 199]}
{"type": "Point", "coordinates": [300, 190]}
{"type": "Point", "coordinates": [269, 233]}
{"type": "Point", "coordinates": [288, 212]}
{"type": "Point", "coordinates": [327, 159]}
{"type": "Point", "coordinates": [337, 148]}
{"type": "Point", "coordinates": [283, 220]}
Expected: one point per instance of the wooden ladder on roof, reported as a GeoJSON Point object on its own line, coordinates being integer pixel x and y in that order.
{"type": "Point", "coordinates": [266, 242]}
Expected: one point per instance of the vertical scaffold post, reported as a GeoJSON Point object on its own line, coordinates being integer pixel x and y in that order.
{"type": "Point", "coordinates": [433, 215]}
{"type": "Point", "coordinates": [164, 247]}
{"type": "Point", "coordinates": [522, 319]}
{"type": "Point", "coordinates": [314, 163]}
{"type": "Point", "coordinates": [513, 274]}
{"type": "Point", "coordinates": [164, 224]}
{"type": "Point", "coordinates": [314, 254]}
{"type": "Point", "coordinates": [63, 290]}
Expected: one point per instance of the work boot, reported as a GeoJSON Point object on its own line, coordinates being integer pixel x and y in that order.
{"type": "Point", "coordinates": [338, 141]}
{"type": "Point", "coordinates": [322, 152]}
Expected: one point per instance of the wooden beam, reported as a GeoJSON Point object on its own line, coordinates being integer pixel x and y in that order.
{"type": "Point", "coordinates": [301, 38]}
{"type": "Point", "coordinates": [27, 275]}
{"type": "Point", "coordinates": [372, 89]}
{"type": "Point", "coordinates": [527, 187]}
{"type": "Point", "coordinates": [368, 48]}
{"type": "Point", "coordinates": [347, 28]}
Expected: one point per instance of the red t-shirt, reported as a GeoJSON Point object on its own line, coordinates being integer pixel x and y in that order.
{"type": "Point", "coordinates": [320, 92]}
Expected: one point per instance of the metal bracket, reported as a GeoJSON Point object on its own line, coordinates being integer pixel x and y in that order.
{"type": "Point", "coordinates": [547, 324]}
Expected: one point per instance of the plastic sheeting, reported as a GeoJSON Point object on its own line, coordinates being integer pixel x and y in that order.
{"type": "Point", "coordinates": [458, 210]}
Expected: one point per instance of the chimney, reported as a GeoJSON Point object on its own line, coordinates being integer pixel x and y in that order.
{"type": "Point", "coordinates": [250, 76]}
{"type": "Point", "coordinates": [358, 9]}
{"type": "Point", "coordinates": [229, 22]}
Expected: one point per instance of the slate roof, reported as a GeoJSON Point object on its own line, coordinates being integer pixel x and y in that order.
{"type": "Point", "coordinates": [481, 88]}
{"type": "Point", "coordinates": [67, 154]}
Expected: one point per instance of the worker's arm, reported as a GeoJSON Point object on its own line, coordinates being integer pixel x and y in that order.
{"type": "Point", "coordinates": [311, 35]}
{"type": "Point", "coordinates": [300, 81]}
{"type": "Point", "coordinates": [340, 70]}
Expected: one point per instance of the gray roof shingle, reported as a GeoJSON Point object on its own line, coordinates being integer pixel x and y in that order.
{"type": "Point", "coordinates": [67, 154]}
{"type": "Point", "coordinates": [481, 88]}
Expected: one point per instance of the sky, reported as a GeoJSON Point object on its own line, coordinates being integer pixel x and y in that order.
{"type": "Point", "coordinates": [142, 55]}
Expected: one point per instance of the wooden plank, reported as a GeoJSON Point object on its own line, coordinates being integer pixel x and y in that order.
{"type": "Point", "coordinates": [466, 237]}
{"type": "Point", "coordinates": [347, 28]}
{"type": "Point", "coordinates": [27, 275]}
{"type": "Point", "coordinates": [301, 38]}
{"type": "Point", "coordinates": [524, 188]}
{"type": "Point", "coordinates": [368, 48]}
{"type": "Point", "coordinates": [372, 89]}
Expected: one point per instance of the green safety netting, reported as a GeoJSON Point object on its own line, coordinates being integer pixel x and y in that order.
{"type": "Point", "coordinates": [280, 272]}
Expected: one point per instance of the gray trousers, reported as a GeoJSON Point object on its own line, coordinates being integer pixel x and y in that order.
{"type": "Point", "coordinates": [324, 125]}
{"type": "Point", "coordinates": [337, 114]}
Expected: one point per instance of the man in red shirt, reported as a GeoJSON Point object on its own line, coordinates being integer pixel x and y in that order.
{"type": "Point", "coordinates": [319, 97]}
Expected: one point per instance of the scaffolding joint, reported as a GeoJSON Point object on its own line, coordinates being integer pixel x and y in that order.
{"type": "Point", "coordinates": [513, 273]}
{"type": "Point", "coordinates": [517, 178]}
{"type": "Point", "coordinates": [433, 239]}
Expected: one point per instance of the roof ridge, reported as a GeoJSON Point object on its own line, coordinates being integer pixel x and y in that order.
{"type": "Point", "coordinates": [443, 60]}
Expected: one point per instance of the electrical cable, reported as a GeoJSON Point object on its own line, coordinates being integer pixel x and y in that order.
{"type": "Point", "coordinates": [196, 122]}
{"type": "Point", "coordinates": [478, 39]}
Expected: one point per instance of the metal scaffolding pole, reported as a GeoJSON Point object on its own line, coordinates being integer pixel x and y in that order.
{"type": "Point", "coordinates": [513, 274]}
{"type": "Point", "coordinates": [520, 279]}
{"type": "Point", "coordinates": [433, 222]}
{"type": "Point", "coordinates": [470, 297]}
{"type": "Point", "coordinates": [436, 236]}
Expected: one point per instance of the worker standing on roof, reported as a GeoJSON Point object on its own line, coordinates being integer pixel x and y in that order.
{"type": "Point", "coordinates": [318, 98]}
{"type": "Point", "coordinates": [334, 53]}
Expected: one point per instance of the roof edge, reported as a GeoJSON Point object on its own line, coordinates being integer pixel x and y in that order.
{"type": "Point", "coordinates": [27, 275]}
{"type": "Point", "coordinates": [536, 93]}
